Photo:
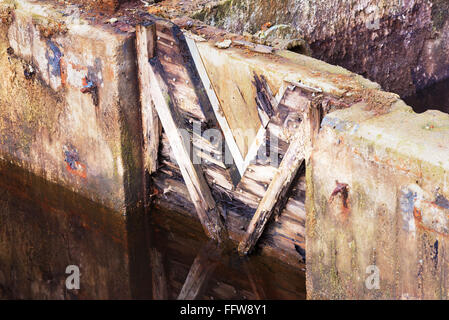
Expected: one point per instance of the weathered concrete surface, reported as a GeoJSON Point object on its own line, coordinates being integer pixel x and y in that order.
{"type": "Point", "coordinates": [88, 142]}
{"type": "Point", "coordinates": [377, 196]}
{"type": "Point", "coordinates": [45, 228]}
{"type": "Point", "coordinates": [402, 45]}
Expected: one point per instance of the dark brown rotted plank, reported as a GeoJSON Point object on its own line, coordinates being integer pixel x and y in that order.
{"type": "Point", "coordinates": [145, 46]}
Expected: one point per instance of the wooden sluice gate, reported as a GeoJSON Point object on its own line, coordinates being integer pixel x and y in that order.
{"type": "Point", "coordinates": [247, 182]}
{"type": "Point", "coordinates": [274, 153]}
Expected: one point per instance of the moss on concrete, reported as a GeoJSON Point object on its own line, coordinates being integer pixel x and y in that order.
{"type": "Point", "coordinates": [27, 104]}
{"type": "Point", "coordinates": [440, 10]}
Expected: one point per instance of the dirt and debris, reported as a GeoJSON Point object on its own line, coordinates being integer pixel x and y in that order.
{"type": "Point", "coordinates": [6, 15]}
{"type": "Point", "coordinates": [48, 28]}
{"type": "Point", "coordinates": [378, 102]}
{"type": "Point", "coordinates": [223, 44]}
{"type": "Point", "coordinates": [90, 87]}
{"type": "Point", "coordinates": [28, 71]}
{"type": "Point", "coordinates": [112, 20]}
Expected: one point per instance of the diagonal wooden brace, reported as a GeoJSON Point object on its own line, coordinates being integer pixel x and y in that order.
{"type": "Point", "coordinates": [276, 191]}
{"type": "Point", "coordinates": [209, 213]}
{"type": "Point", "coordinates": [298, 151]}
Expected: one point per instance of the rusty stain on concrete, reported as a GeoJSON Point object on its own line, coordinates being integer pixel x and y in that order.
{"type": "Point", "coordinates": [74, 164]}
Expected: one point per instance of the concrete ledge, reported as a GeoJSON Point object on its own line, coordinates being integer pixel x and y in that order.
{"type": "Point", "coordinates": [377, 205]}
{"type": "Point", "coordinates": [89, 142]}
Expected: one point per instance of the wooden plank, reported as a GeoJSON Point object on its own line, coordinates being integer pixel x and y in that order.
{"type": "Point", "coordinates": [145, 45]}
{"type": "Point", "coordinates": [266, 102]}
{"type": "Point", "coordinates": [229, 137]}
{"type": "Point", "coordinates": [199, 273]}
{"type": "Point", "coordinates": [312, 121]}
{"type": "Point", "coordinates": [276, 192]}
{"type": "Point", "coordinates": [208, 212]}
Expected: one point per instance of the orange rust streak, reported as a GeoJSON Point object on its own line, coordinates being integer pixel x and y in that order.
{"type": "Point", "coordinates": [63, 67]}
{"type": "Point", "coordinates": [80, 173]}
{"type": "Point", "coordinates": [418, 221]}
{"type": "Point", "coordinates": [387, 162]}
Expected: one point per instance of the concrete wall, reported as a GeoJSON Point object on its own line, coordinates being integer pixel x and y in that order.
{"type": "Point", "coordinates": [88, 142]}
{"type": "Point", "coordinates": [45, 228]}
{"type": "Point", "coordinates": [377, 202]}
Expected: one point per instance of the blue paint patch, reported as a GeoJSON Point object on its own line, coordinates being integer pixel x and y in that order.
{"type": "Point", "coordinates": [435, 254]}
{"type": "Point", "coordinates": [88, 85]}
{"type": "Point", "coordinates": [54, 58]}
{"type": "Point", "coordinates": [407, 201]}
{"type": "Point", "coordinates": [407, 205]}
{"type": "Point", "coordinates": [335, 124]}
{"type": "Point", "coordinates": [71, 157]}
{"type": "Point", "coordinates": [441, 201]}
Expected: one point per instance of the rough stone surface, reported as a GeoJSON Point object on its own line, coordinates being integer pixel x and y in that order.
{"type": "Point", "coordinates": [377, 190]}
{"type": "Point", "coordinates": [402, 45]}
{"type": "Point", "coordinates": [89, 142]}
{"type": "Point", "coordinates": [108, 5]}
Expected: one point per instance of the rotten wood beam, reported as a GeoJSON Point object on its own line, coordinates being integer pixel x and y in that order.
{"type": "Point", "coordinates": [312, 118]}
{"type": "Point", "coordinates": [209, 213]}
{"type": "Point", "coordinates": [276, 192]}
{"type": "Point", "coordinates": [265, 100]}
{"type": "Point", "coordinates": [145, 46]}
{"type": "Point", "coordinates": [230, 141]}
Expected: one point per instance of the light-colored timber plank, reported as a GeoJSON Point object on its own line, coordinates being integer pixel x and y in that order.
{"type": "Point", "coordinates": [275, 192]}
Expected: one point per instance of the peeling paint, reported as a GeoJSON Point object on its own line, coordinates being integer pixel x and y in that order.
{"type": "Point", "coordinates": [54, 58]}
{"type": "Point", "coordinates": [74, 164]}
